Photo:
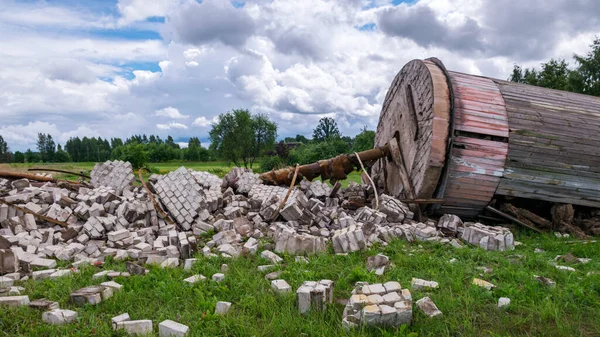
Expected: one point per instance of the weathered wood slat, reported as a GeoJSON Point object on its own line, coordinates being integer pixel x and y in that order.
{"type": "Point", "coordinates": [476, 164]}
{"type": "Point", "coordinates": [554, 145]}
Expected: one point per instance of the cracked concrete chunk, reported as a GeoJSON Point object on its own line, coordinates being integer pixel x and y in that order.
{"type": "Point", "coordinates": [428, 307]}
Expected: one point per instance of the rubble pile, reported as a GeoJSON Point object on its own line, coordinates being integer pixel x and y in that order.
{"type": "Point", "coordinates": [114, 218]}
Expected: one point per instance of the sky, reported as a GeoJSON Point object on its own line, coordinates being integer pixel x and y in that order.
{"type": "Point", "coordinates": [114, 68]}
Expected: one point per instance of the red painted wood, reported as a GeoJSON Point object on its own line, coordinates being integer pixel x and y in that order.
{"type": "Point", "coordinates": [477, 162]}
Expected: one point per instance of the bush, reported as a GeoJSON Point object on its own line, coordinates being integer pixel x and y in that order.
{"type": "Point", "coordinates": [271, 163]}
{"type": "Point", "coordinates": [310, 153]}
{"type": "Point", "coordinates": [133, 153]}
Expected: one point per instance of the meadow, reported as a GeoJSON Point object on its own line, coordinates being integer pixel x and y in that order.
{"type": "Point", "coordinates": [571, 308]}
{"type": "Point", "coordinates": [215, 167]}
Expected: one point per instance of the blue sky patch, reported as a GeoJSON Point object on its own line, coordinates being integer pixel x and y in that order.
{"type": "Point", "coordinates": [128, 68]}
{"type": "Point", "coordinates": [367, 27]}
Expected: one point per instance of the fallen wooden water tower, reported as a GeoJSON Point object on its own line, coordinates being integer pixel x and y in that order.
{"type": "Point", "coordinates": [465, 138]}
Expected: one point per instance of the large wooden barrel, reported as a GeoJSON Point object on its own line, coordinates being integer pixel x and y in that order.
{"type": "Point", "coordinates": [477, 137]}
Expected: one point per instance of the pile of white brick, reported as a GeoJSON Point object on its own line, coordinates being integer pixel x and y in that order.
{"type": "Point", "coordinates": [378, 305]}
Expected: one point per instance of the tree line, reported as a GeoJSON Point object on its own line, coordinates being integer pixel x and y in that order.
{"type": "Point", "coordinates": [583, 77]}
{"type": "Point", "coordinates": [237, 137]}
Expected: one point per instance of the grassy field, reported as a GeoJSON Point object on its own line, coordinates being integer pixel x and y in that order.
{"type": "Point", "coordinates": [218, 168]}
{"type": "Point", "coordinates": [570, 309]}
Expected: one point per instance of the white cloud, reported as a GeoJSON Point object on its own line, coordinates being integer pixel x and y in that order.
{"type": "Point", "coordinates": [293, 60]}
{"type": "Point", "coordinates": [170, 126]}
{"type": "Point", "coordinates": [170, 112]}
{"type": "Point", "coordinates": [183, 145]}
{"type": "Point", "coordinates": [201, 122]}
{"type": "Point", "coordinates": [138, 10]}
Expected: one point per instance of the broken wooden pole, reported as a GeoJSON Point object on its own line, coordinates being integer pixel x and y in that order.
{"type": "Point", "coordinates": [39, 216]}
{"type": "Point", "coordinates": [510, 218]}
{"type": "Point", "coordinates": [334, 168]}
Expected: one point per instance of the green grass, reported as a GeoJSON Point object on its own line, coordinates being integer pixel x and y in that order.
{"type": "Point", "coordinates": [570, 309]}
{"type": "Point", "coordinates": [218, 168]}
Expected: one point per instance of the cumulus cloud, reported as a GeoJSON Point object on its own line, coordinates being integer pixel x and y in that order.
{"type": "Point", "coordinates": [137, 10]}
{"type": "Point", "coordinates": [424, 27]}
{"type": "Point", "coordinates": [211, 21]}
{"type": "Point", "coordinates": [170, 112]}
{"type": "Point", "coordinates": [170, 126]}
{"type": "Point", "coordinates": [201, 122]}
{"type": "Point", "coordinates": [68, 71]}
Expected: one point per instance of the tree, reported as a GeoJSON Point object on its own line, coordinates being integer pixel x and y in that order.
{"type": "Point", "coordinates": [283, 151]}
{"type": "Point", "coordinates": [194, 149]}
{"type": "Point", "coordinates": [241, 138]}
{"type": "Point", "coordinates": [364, 140]}
{"type": "Point", "coordinates": [5, 155]}
{"type": "Point", "coordinates": [327, 129]}
{"type": "Point", "coordinates": [19, 157]}
{"type": "Point", "coordinates": [311, 153]}
{"type": "Point", "coordinates": [586, 77]}
{"type": "Point", "coordinates": [555, 74]}
{"type": "Point", "coordinates": [3, 146]}
{"type": "Point", "coordinates": [50, 149]}
{"type": "Point", "coordinates": [32, 157]}
{"type": "Point", "coordinates": [135, 154]}
{"type": "Point", "coordinates": [41, 145]}
{"type": "Point", "coordinates": [61, 156]}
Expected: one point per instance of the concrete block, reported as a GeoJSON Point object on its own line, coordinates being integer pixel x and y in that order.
{"type": "Point", "coordinates": [418, 284]}
{"type": "Point", "coordinates": [280, 286]}
{"type": "Point", "coordinates": [503, 302]}
{"type": "Point", "coordinates": [59, 316]}
{"type": "Point", "coordinates": [218, 277]}
{"type": "Point", "coordinates": [222, 308]}
{"type": "Point", "coordinates": [14, 301]}
{"type": "Point", "coordinates": [170, 328]}
{"type": "Point", "coordinates": [140, 327]}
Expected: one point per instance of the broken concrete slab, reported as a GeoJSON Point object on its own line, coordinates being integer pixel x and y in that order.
{"type": "Point", "coordinates": [195, 278]}
{"type": "Point", "coordinates": [428, 307]}
{"type": "Point", "coordinates": [59, 316]}
{"type": "Point", "coordinates": [484, 284]}
{"type": "Point", "coordinates": [545, 281]}
{"type": "Point", "coordinates": [269, 255]}
{"type": "Point", "coordinates": [43, 304]}
{"type": "Point", "coordinates": [418, 284]}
